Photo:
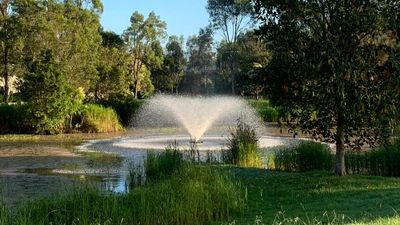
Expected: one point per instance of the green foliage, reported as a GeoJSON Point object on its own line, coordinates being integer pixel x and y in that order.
{"type": "Point", "coordinates": [125, 106]}
{"type": "Point", "coordinates": [382, 161]}
{"type": "Point", "coordinates": [145, 52]}
{"type": "Point", "coordinates": [243, 147]}
{"type": "Point", "coordinates": [70, 29]}
{"type": "Point", "coordinates": [98, 119]}
{"type": "Point", "coordinates": [50, 100]}
{"type": "Point", "coordinates": [170, 75]}
{"type": "Point", "coordinates": [305, 156]}
{"type": "Point", "coordinates": [267, 112]}
{"type": "Point", "coordinates": [332, 66]}
{"type": "Point", "coordinates": [198, 72]}
{"type": "Point", "coordinates": [12, 119]}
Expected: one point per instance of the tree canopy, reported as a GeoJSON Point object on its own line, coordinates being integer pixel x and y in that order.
{"type": "Point", "coordinates": [338, 67]}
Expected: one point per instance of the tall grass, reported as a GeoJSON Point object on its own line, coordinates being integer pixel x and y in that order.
{"type": "Point", "coordinates": [243, 147]}
{"type": "Point", "coordinates": [305, 156]}
{"type": "Point", "coordinates": [97, 119]}
{"type": "Point", "coordinates": [384, 161]}
{"type": "Point", "coordinates": [178, 192]}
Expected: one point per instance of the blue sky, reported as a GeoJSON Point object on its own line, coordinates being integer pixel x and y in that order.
{"type": "Point", "coordinates": [183, 17]}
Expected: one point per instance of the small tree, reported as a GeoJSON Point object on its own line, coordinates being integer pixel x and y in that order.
{"type": "Point", "coordinates": [337, 63]}
{"type": "Point", "coordinates": [50, 99]}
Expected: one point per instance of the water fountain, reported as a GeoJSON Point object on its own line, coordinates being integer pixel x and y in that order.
{"type": "Point", "coordinates": [204, 121]}
{"type": "Point", "coordinates": [196, 114]}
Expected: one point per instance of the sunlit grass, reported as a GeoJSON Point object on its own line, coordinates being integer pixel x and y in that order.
{"type": "Point", "coordinates": [318, 198]}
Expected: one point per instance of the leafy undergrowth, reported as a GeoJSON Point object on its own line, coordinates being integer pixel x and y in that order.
{"type": "Point", "coordinates": [318, 198]}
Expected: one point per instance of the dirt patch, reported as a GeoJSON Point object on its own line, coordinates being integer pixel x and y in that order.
{"type": "Point", "coordinates": [35, 150]}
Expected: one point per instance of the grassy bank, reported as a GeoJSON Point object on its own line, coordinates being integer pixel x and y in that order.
{"type": "Point", "coordinates": [203, 195]}
{"type": "Point", "coordinates": [174, 192]}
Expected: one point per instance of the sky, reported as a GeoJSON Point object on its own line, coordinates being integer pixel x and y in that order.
{"type": "Point", "coordinates": [183, 17]}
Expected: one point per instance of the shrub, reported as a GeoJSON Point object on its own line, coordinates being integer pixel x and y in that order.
{"type": "Point", "coordinates": [265, 110]}
{"type": "Point", "coordinates": [125, 106]}
{"type": "Point", "coordinates": [98, 119]}
{"type": "Point", "coordinates": [384, 161]}
{"type": "Point", "coordinates": [242, 147]}
{"type": "Point", "coordinates": [50, 98]}
{"type": "Point", "coordinates": [305, 156]}
{"type": "Point", "coordinates": [12, 119]}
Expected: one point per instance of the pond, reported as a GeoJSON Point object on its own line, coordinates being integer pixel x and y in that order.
{"type": "Point", "coordinates": [28, 178]}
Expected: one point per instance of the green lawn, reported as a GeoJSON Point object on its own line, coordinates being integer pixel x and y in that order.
{"type": "Point", "coordinates": [318, 198]}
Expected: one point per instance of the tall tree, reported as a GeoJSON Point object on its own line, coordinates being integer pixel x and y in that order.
{"type": "Point", "coordinates": [339, 66]}
{"type": "Point", "coordinates": [9, 45]}
{"type": "Point", "coordinates": [69, 29]}
{"type": "Point", "coordinates": [251, 55]}
{"type": "Point", "coordinates": [143, 40]}
{"type": "Point", "coordinates": [112, 76]}
{"type": "Point", "coordinates": [174, 62]}
{"type": "Point", "coordinates": [200, 63]}
{"type": "Point", "coordinates": [231, 17]}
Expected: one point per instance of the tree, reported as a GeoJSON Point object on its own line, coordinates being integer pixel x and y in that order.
{"type": "Point", "coordinates": [251, 56]}
{"type": "Point", "coordinates": [9, 46]}
{"type": "Point", "coordinates": [338, 66]}
{"type": "Point", "coordinates": [200, 63]}
{"type": "Point", "coordinates": [174, 63]}
{"type": "Point", "coordinates": [50, 99]}
{"type": "Point", "coordinates": [142, 39]}
{"type": "Point", "coordinates": [113, 78]}
{"type": "Point", "coordinates": [70, 29]}
{"type": "Point", "coordinates": [231, 17]}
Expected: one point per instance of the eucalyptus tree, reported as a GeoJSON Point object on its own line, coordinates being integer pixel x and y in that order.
{"type": "Point", "coordinates": [174, 62]}
{"type": "Point", "coordinates": [143, 42]}
{"type": "Point", "coordinates": [112, 76]}
{"type": "Point", "coordinates": [337, 62]}
{"type": "Point", "coordinates": [231, 17]}
{"type": "Point", "coordinates": [200, 63]}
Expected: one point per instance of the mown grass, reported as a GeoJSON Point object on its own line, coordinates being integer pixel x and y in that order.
{"type": "Point", "coordinates": [318, 198]}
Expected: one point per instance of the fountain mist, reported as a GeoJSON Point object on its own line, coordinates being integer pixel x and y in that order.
{"type": "Point", "coordinates": [195, 114]}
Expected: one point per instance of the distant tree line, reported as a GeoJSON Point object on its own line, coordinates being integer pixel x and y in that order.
{"type": "Point", "coordinates": [138, 63]}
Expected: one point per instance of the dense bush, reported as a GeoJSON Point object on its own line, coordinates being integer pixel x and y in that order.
{"type": "Point", "coordinates": [125, 106]}
{"type": "Point", "coordinates": [98, 119]}
{"type": "Point", "coordinates": [266, 111]}
{"type": "Point", "coordinates": [305, 156]}
{"type": "Point", "coordinates": [243, 147]}
{"type": "Point", "coordinates": [49, 98]}
{"type": "Point", "coordinates": [384, 161]}
{"type": "Point", "coordinates": [12, 119]}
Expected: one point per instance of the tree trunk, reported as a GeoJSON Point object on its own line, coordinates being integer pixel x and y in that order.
{"type": "Point", "coordinates": [136, 89]}
{"type": "Point", "coordinates": [6, 75]}
{"type": "Point", "coordinates": [233, 82]}
{"type": "Point", "coordinates": [340, 166]}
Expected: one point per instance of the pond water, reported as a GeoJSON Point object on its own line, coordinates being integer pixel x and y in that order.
{"type": "Point", "coordinates": [27, 178]}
